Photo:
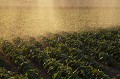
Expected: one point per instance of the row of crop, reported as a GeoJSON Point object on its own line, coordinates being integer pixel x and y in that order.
{"type": "Point", "coordinates": [25, 67]}
{"type": "Point", "coordinates": [104, 46]}
{"type": "Point", "coordinates": [82, 64]}
{"type": "Point", "coordinates": [105, 50]}
{"type": "Point", "coordinates": [7, 74]}
{"type": "Point", "coordinates": [30, 51]}
{"type": "Point", "coordinates": [84, 42]}
{"type": "Point", "coordinates": [58, 58]}
{"type": "Point", "coordinates": [99, 44]}
{"type": "Point", "coordinates": [56, 69]}
{"type": "Point", "coordinates": [61, 64]}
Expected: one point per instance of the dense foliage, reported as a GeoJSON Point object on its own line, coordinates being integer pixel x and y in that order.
{"type": "Point", "coordinates": [86, 55]}
{"type": "Point", "coordinates": [6, 74]}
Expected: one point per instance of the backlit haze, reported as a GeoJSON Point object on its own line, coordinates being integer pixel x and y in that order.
{"type": "Point", "coordinates": [32, 18]}
{"type": "Point", "coordinates": [59, 2]}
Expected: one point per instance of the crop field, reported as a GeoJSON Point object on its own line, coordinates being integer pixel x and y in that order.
{"type": "Point", "coordinates": [59, 39]}
{"type": "Point", "coordinates": [77, 55]}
